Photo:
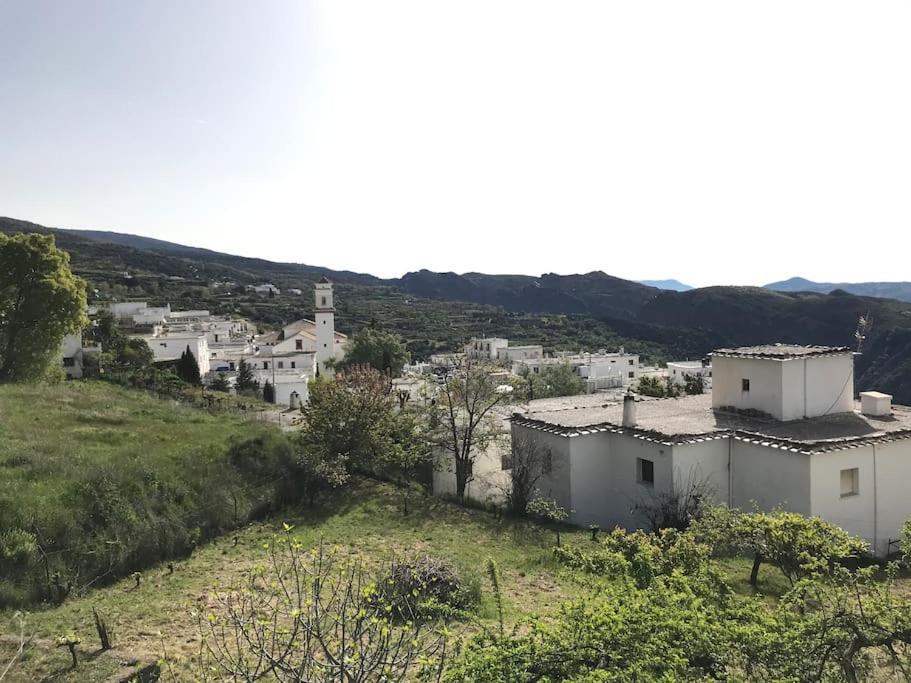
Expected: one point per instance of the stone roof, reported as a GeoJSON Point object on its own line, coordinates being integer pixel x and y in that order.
{"type": "Point", "coordinates": [781, 351]}
{"type": "Point", "coordinates": [691, 418]}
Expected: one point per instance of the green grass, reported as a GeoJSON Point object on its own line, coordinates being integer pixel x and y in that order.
{"type": "Point", "coordinates": [157, 618]}
{"type": "Point", "coordinates": [107, 479]}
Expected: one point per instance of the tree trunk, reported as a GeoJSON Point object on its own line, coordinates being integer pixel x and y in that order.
{"type": "Point", "coordinates": [754, 574]}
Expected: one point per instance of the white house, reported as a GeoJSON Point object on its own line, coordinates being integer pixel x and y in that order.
{"type": "Point", "coordinates": [602, 370]}
{"type": "Point", "coordinates": [170, 346]}
{"type": "Point", "coordinates": [780, 428]}
{"type": "Point", "coordinates": [511, 354]}
{"type": "Point", "coordinates": [75, 355]}
{"type": "Point", "coordinates": [265, 288]}
{"type": "Point", "coordinates": [485, 347]}
{"type": "Point", "coordinates": [679, 370]}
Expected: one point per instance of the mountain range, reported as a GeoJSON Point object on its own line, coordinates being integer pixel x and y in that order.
{"type": "Point", "coordinates": [886, 290]}
{"type": "Point", "coordinates": [566, 311]}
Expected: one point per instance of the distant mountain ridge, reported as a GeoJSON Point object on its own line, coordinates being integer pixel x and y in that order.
{"type": "Point", "coordinates": [886, 290]}
{"type": "Point", "coordinates": [672, 285]}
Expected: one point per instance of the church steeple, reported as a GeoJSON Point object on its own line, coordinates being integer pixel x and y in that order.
{"type": "Point", "coordinates": [324, 317]}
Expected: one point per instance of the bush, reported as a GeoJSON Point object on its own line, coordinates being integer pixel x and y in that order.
{"type": "Point", "coordinates": [425, 589]}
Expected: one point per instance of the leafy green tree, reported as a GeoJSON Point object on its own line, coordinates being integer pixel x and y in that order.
{"type": "Point", "coordinates": [651, 386]}
{"type": "Point", "coordinates": [220, 383]}
{"type": "Point", "coordinates": [381, 350]}
{"type": "Point", "coordinates": [188, 368]}
{"type": "Point", "coordinates": [799, 546]}
{"type": "Point", "coordinates": [268, 392]}
{"type": "Point", "coordinates": [693, 384]}
{"type": "Point", "coordinates": [246, 380]}
{"type": "Point", "coordinates": [41, 301]}
{"type": "Point", "coordinates": [352, 421]}
{"type": "Point", "coordinates": [561, 380]}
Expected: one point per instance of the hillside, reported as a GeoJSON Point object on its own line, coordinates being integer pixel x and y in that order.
{"type": "Point", "coordinates": [105, 480]}
{"type": "Point", "coordinates": [886, 290]}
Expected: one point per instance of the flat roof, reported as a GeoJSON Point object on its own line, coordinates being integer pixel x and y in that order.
{"type": "Point", "coordinates": [691, 417]}
{"type": "Point", "coordinates": [781, 351]}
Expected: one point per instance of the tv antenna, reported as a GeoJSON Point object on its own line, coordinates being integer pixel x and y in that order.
{"type": "Point", "coordinates": [864, 323]}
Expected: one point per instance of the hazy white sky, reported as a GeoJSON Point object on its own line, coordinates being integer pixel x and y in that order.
{"type": "Point", "coordinates": [715, 142]}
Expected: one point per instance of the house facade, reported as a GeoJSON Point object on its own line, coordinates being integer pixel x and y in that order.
{"type": "Point", "coordinates": [780, 429]}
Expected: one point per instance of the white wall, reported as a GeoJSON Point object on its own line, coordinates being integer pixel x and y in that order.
{"type": "Point", "coordinates": [854, 513]}
{"type": "Point", "coordinates": [893, 504]}
{"type": "Point", "coordinates": [705, 462]}
{"type": "Point", "coordinates": [765, 384]}
{"type": "Point", "coordinates": [770, 477]}
{"type": "Point", "coordinates": [489, 481]}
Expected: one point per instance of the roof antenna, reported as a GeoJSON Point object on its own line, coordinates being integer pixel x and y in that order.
{"type": "Point", "coordinates": [864, 323]}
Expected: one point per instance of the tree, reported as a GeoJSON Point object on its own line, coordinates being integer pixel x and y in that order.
{"type": "Point", "coordinates": [352, 421]}
{"type": "Point", "coordinates": [313, 616]}
{"type": "Point", "coordinates": [464, 421]}
{"type": "Point", "coordinates": [188, 368]}
{"type": "Point", "coordinates": [799, 546]}
{"type": "Point", "coordinates": [650, 386]}
{"type": "Point", "coordinates": [561, 380]}
{"type": "Point", "coordinates": [693, 384]}
{"type": "Point", "coordinates": [41, 301]}
{"type": "Point", "coordinates": [246, 381]}
{"type": "Point", "coordinates": [528, 461]}
{"type": "Point", "coordinates": [676, 508]}
{"type": "Point", "coordinates": [381, 350]}
{"type": "Point", "coordinates": [220, 383]}
{"type": "Point", "coordinates": [268, 392]}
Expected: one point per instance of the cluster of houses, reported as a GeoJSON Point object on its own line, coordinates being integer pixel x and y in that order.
{"type": "Point", "coordinates": [287, 358]}
{"type": "Point", "coordinates": [778, 427]}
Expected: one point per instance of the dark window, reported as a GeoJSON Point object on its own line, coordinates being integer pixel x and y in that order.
{"type": "Point", "coordinates": [632, 362]}
{"type": "Point", "coordinates": [265, 365]}
{"type": "Point", "coordinates": [632, 375]}
{"type": "Point", "coordinates": [293, 364]}
{"type": "Point", "coordinates": [231, 365]}
{"type": "Point", "coordinates": [69, 362]}
{"type": "Point", "coordinates": [745, 384]}
{"type": "Point", "coordinates": [281, 365]}
{"type": "Point", "coordinates": [645, 472]}
{"type": "Point", "coordinates": [299, 344]}
{"type": "Point", "coordinates": [324, 301]}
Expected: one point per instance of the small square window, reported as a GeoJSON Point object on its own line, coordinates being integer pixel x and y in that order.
{"type": "Point", "coordinates": [850, 482]}
{"type": "Point", "coordinates": [632, 375]}
{"type": "Point", "coordinates": [631, 362]}
{"type": "Point", "coordinates": [745, 384]}
{"type": "Point", "coordinates": [645, 472]}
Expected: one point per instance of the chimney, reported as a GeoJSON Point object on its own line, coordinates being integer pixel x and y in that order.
{"type": "Point", "coordinates": [629, 410]}
{"type": "Point", "coordinates": [875, 404]}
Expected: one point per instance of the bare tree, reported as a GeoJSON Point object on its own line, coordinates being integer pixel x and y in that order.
{"type": "Point", "coordinates": [313, 616]}
{"type": "Point", "coordinates": [527, 462]}
{"type": "Point", "coordinates": [464, 420]}
{"type": "Point", "coordinates": [677, 507]}
{"type": "Point", "coordinates": [22, 641]}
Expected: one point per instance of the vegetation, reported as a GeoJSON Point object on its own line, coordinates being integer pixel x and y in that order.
{"type": "Point", "coordinates": [553, 380]}
{"type": "Point", "coordinates": [41, 301]}
{"type": "Point", "coordinates": [376, 348]}
{"type": "Point", "coordinates": [104, 481]}
{"type": "Point", "coordinates": [464, 421]}
{"type": "Point", "coordinates": [187, 367]}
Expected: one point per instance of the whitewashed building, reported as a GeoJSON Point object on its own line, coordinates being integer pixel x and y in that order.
{"type": "Point", "coordinates": [779, 429]}
{"type": "Point", "coordinates": [601, 370]}
{"type": "Point", "coordinates": [169, 347]}
{"type": "Point", "coordinates": [679, 370]}
{"type": "Point", "coordinates": [485, 348]}
{"type": "Point", "coordinates": [76, 355]}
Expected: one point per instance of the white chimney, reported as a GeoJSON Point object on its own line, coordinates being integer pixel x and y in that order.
{"type": "Point", "coordinates": [629, 410]}
{"type": "Point", "coordinates": [875, 404]}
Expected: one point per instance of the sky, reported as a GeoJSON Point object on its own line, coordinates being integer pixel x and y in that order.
{"type": "Point", "coordinates": [718, 142]}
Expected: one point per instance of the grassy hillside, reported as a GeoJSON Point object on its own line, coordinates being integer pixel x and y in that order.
{"type": "Point", "coordinates": [158, 617]}
{"type": "Point", "coordinates": [97, 480]}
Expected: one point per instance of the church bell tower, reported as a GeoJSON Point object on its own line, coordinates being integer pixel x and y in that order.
{"type": "Point", "coordinates": [324, 317]}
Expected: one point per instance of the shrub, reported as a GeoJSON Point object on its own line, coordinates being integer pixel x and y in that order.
{"type": "Point", "coordinates": [426, 588]}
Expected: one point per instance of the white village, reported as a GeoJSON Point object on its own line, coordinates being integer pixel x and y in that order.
{"type": "Point", "coordinates": [773, 427]}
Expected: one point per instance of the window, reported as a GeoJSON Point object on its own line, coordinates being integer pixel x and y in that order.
{"type": "Point", "coordinates": [745, 384]}
{"type": "Point", "coordinates": [323, 304]}
{"type": "Point", "coordinates": [631, 362]}
{"type": "Point", "coordinates": [265, 365]}
{"type": "Point", "coordinates": [231, 365]}
{"type": "Point", "coordinates": [293, 364]}
{"type": "Point", "coordinates": [281, 365]}
{"type": "Point", "coordinates": [632, 375]}
{"type": "Point", "coordinates": [299, 344]}
{"type": "Point", "coordinates": [850, 482]}
{"type": "Point", "coordinates": [645, 472]}
{"type": "Point", "coordinates": [69, 362]}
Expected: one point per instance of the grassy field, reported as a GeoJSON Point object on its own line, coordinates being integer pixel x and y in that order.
{"type": "Point", "coordinates": [95, 478]}
{"type": "Point", "coordinates": [157, 619]}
